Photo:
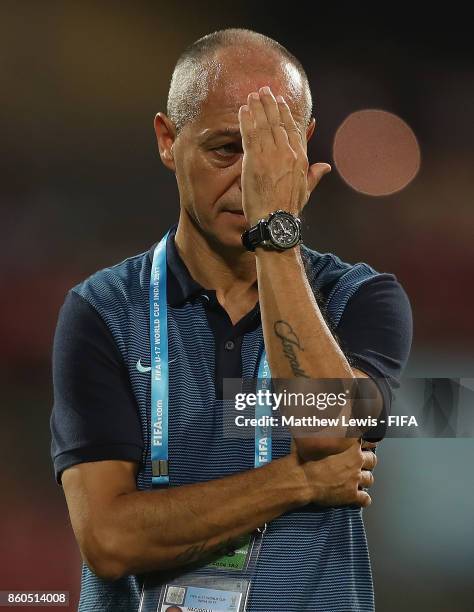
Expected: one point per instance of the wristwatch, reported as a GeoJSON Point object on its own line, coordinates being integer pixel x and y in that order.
{"type": "Point", "coordinates": [279, 231]}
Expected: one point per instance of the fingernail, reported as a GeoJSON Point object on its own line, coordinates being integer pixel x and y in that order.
{"type": "Point", "coordinates": [280, 99]}
{"type": "Point", "coordinates": [266, 90]}
{"type": "Point", "coordinates": [254, 95]}
{"type": "Point", "coordinates": [244, 109]}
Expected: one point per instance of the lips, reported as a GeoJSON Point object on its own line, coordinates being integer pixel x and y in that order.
{"type": "Point", "coordinates": [235, 212]}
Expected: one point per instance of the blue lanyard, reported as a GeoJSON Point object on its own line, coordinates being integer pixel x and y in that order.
{"type": "Point", "coordinates": [263, 413]}
{"type": "Point", "coordinates": [160, 378]}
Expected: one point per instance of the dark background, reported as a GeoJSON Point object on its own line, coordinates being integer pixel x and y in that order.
{"type": "Point", "coordinates": [82, 187]}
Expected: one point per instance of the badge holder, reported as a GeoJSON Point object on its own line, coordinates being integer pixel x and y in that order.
{"type": "Point", "coordinates": [220, 585]}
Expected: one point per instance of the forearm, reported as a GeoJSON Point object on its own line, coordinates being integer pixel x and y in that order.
{"type": "Point", "coordinates": [298, 342]}
{"type": "Point", "coordinates": [288, 305]}
{"type": "Point", "coordinates": [162, 529]}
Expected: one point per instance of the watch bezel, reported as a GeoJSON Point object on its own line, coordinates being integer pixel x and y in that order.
{"type": "Point", "coordinates": [259, 235]}
{"type": "Point", "coordinates": [273, 240]}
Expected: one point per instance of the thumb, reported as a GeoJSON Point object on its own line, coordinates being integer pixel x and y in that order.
{"type": "Point", "coordinates": [316, 173]}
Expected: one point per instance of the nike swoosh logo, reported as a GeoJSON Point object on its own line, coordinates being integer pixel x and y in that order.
{"type": "Point", "coordinates": [143, 369]}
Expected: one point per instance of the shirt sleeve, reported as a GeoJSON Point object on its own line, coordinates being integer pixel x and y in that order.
{"type": "Point", "coordinates": [375, 334]}
{"type": "Point", "coordinates": [95, 415]}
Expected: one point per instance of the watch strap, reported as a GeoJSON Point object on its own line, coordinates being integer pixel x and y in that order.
{"type": "Point", "coordinates": [255, 235]}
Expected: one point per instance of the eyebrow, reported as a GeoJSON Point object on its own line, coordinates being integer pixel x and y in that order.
{"type": "Point", "coordinates": [208, 134]}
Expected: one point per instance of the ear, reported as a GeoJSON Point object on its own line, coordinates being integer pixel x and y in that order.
{"type": "Point", "coordinates": [165, 137]}
{"type": "Point", "coordinates": [310, 129]}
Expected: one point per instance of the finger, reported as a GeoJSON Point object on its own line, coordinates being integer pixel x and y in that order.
{"type": "Point", "coordinates": [262, 126]}
{"type": "Point", "coordinates": [370, 460]}
{"type": "Point", "coordinates": [294, 134]}
{"type": "Point", "coordinates": [363, 499]}
{"type": "Point", "coordinates": [247, 129]}
{"type": "Point", "coordinates": [367, 479]}
{"type": "Point", "coordinates": [368, 445]}
{"type": "Point", "coordinates": [272, 112]}
{"type": "Point", "coordinates": [316, 173]}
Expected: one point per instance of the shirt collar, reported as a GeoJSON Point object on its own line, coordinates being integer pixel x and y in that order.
{"type": "Point", "coordinates": [180, 284]}
{"type": "Point", "coordinates": [182, 287]}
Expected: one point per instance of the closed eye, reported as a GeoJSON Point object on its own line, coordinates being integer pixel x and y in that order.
{"type": "Point", "coordinates": [229, 149]}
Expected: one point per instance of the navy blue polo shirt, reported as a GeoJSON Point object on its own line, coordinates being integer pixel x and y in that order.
{"type": "Point", "coordinates": [312, 558]}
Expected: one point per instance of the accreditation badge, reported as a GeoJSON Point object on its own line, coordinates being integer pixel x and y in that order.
{"type": "Point", "coordinates": [221, 585]}
{"type": "Point", "coordinates": [205, 595]}
{"type": "Point", "coordinates": [238, 557]}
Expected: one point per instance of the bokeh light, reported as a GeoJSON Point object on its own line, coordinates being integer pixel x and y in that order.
{"type": "Point", "coordinates": [376, 152]}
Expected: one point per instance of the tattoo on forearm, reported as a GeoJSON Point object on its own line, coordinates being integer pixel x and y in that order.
{"type": "Point", "coordinates": [290, 341]}
{"type": "Point", "coordinates": [201, 551]}
{"type": "Point", "coordinates": [193, 553]}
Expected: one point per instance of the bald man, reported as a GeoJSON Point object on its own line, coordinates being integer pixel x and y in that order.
{"type": "Point", "coordinates": [239, 281]}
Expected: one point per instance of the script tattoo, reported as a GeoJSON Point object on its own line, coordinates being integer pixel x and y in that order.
{"type": "Point", "coordinates": [289, 341]}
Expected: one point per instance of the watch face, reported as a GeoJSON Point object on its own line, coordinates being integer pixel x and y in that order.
{"type": "Point", "coordinates": [284, 230]}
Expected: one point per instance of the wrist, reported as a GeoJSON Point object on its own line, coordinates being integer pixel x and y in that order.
{"type": "Point", "coordinates": [299, 488]}
{"type": "Point", "coordinates": [289, 255]}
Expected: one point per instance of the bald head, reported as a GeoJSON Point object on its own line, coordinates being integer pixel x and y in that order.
{"type": "Point", "coordinates": [224, 62]}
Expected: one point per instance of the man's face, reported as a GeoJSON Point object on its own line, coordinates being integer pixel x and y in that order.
{"type": "Point", "coordinates": [208, 154]}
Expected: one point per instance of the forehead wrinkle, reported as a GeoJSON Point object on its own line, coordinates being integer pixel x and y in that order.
{"type": "Point", "coordinates": [222, 105]}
